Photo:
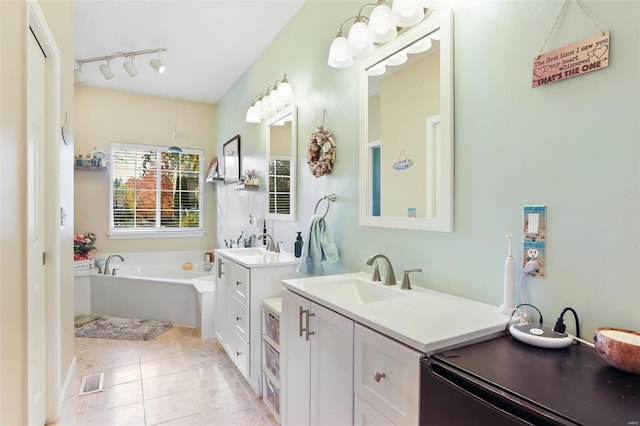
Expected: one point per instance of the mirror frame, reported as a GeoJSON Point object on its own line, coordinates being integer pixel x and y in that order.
{"type": "Point", "coordinates": [441, 167]}
{"type": "Point", "coordinates": [290, 109]}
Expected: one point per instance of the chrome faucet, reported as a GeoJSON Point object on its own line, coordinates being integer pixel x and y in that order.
{"type": "Point", "coordinates": [389, 278]}
{"type": "Point", "coordinates": [271, 246]}
{"type": "Point", "coordinates": [106, 264]}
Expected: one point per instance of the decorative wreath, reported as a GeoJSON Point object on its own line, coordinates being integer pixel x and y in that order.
{"type": "Point", "coordinates": [321, 153]}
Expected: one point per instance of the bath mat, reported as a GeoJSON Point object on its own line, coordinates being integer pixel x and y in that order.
{"type": "Point", "coordinates": [123, 328]}
{"type": "Point", "coordinates": [83, 319]}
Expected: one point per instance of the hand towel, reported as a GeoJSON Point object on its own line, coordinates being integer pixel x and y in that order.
{"type": "Point", "coordinates": [318, 247]}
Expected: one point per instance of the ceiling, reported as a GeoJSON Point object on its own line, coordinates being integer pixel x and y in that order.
{"type": "Point", "coordinates": [209, 43]}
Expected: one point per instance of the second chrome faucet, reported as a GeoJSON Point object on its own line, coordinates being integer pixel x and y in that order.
{"type": "Point", "coordinates": [389, 277]}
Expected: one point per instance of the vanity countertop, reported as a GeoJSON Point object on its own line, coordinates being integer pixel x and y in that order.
{"type": "Point", "coordinates": [254, 257]}
{"type": "Point", "coordinates": [425, 320]}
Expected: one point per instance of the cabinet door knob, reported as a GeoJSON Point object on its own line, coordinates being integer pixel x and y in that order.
{"type": "Point", "coordinates": [238, 353]}
{"type": "Point", "coordinates": [377, 376]}
{"type": "Point", "coordinates": [238, 282]}
{"type": "Point", "coordinates": [238, 318]}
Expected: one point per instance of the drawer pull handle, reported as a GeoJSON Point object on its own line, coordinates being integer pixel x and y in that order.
{"type": "Point", "coordinates": [377, 376]}
{"type": "Point", "coordinates": [238, 318]}
{"type": "Point", "coordinates": [238, 282]}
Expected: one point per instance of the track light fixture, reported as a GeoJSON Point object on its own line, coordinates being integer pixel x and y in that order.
{"type": "Point", "coordinates": [105, 69]}
{"type": "Point", "coordinates": [157, 64]}
{"type": "Point", "coordinates": [79, 75]}
{"type": "Point", "coordinates": [128, 65]}
{"type": "Point", "coordinates": [382, 26]}
{"type": "Point", "coordinates": [270, 101]}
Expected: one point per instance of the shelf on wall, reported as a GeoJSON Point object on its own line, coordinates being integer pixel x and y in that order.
{"type": "Point", "coordinates": [92, 168]}
{"type": "Point", "coordinates": [247, 187]}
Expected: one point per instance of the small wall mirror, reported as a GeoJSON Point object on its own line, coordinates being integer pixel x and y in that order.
{"type": "Point", "coordinates": [406, 130]}
{"type": "Point", "coordinates": [281, 155]}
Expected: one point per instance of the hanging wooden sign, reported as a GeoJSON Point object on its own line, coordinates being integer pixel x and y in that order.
{"type": "Point", "coordinates": [581, 57]}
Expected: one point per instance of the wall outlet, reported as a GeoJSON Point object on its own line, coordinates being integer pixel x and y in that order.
{"type": "Point", "coordinates": [534, 250]}
{"type": "Point", "coordinates": [535, 237]}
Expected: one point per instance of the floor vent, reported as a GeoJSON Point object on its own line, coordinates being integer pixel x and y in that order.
{"type": "Point", "coordinates": [91, 384]}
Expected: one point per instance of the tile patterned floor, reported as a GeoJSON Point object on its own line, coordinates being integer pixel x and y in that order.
{"type": "Point", "coordinates": [176, 379]}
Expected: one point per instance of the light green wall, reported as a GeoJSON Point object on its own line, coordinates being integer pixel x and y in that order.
{"type": "Point", "coordinates": [572, 146]}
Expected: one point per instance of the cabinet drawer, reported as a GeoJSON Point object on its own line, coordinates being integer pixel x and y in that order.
{"type": "Point", "coordinates": [271, 325]}
{"type": "Point", "coordinates": [387, 376]}
{"type": "Point", "coordinates": [271, 396]}
{"type": "Point", "coordinates": [241, 354]}
{"type": "Point", "coordinates": [366, 415]}
{"type": "Point", "coordinates": [271, 360]}
{"type": "Point", "coordinates": [241, 319]}
{"type": "Point", "coordinates": [241, 284]}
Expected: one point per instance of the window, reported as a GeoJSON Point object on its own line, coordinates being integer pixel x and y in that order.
{"type": "Point", "coordinates": [279, 185]}
{"type": "Point", "coordinates": [155, 193]}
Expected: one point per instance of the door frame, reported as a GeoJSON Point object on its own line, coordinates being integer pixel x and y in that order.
{"type": "Point", "coordinates": [37, 23]}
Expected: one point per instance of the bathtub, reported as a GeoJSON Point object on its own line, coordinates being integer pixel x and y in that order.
{"type": "Point", "coordinates": [154, 286]}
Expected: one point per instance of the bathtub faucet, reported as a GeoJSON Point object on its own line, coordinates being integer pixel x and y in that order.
{"type": "Point", "coordinates": [106, 264]}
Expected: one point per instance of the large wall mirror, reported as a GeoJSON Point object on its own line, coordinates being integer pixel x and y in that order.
{"type": "Point", "coordinates": [406, 129]}
{"type": "Point", "coordinates": [281, 155]}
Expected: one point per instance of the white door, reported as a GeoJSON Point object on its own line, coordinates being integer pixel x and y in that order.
{"type": "Point", "coordinates": [331, 368]}
{"type": "Point", "coordinates": [294, 361]}
{"type": "Point", "coordinates": [36, 326]}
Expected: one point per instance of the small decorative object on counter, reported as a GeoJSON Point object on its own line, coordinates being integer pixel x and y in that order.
{"type": "Point", "coordinates": [208, 256]}
{"type": "Point", "coordinates": [187, 266]}
{"type": "Point", "coordinates": [208, 266]}
{"type": "Point", "coordinates": [84, 246]}
{"type": "Point", "coordinates": [298, 245]}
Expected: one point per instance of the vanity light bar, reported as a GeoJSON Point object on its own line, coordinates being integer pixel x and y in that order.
{"type": "Point", "coordinates": [270, 101]}
{"type": "Point", "coordinates": [382, 27]}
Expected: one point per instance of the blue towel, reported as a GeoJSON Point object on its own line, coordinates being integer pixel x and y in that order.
{"type": "Point", "coordinates": [318, 247]}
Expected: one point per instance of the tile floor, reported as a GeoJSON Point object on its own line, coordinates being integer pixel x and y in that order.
{"type": "Point", "coordinates": [175, 379]}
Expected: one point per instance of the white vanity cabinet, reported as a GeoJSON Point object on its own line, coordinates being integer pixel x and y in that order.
{"type": "Point", "coordinates": [386, 380]}
{"type": "Point", "coordinates": [240, 289]}
{"type": "Point", "coordinates": [316, 365]}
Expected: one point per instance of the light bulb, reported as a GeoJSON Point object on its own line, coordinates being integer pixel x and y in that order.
{"type": "Point", "coordinates": [360, 38]}
{"type": "Point", "coordinates": [381, 24]}
{"type": "Point", "coordinates": [339, 54]}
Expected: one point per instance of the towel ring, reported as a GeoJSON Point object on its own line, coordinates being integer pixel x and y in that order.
{"type": "Point", "coordinates": [330, 198]}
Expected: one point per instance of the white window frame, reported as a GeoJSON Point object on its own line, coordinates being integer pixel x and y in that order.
{"type": "Point", "coordinates": [158, 231]}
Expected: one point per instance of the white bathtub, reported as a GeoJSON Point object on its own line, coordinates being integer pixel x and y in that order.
{"type": "Point", "coordinates": [152, 286]}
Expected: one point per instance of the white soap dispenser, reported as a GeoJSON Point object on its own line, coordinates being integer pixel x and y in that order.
{"type": "Point", "coordinates": [509, 297]}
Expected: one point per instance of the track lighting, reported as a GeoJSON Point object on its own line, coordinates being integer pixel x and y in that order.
{"type": "Point", "coordinates": [383, 25]}
{"type": "Point", "coordinates": [105, 69]}
{"type": "Point", "coordinates": [157, 64]}
{"type": "Point", "coordinates": [130, 68]}
{"type": "Point", "coordinates": [270, 101]}
{"type": "Point", "coordinates": [79, 75]}
{"type": "Point", "coordinates": [128, 65]}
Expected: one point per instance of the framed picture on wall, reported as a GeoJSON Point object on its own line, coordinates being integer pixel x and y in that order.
{"type": "Point", "coordinates": [231, 158]}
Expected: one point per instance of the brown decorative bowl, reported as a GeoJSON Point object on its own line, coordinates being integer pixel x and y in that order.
{"type": "Point", "coordinates": [620, 348]}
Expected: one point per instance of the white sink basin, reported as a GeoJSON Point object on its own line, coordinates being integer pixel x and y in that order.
{"type": "Point", "coordinates": [358, 291]}
{"type": "Point", "coordinates": [422, 319]}
{"type": "Point", "coordinates": [256, 256]}
{"type": "Point", "coordinates": [249, 251]}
